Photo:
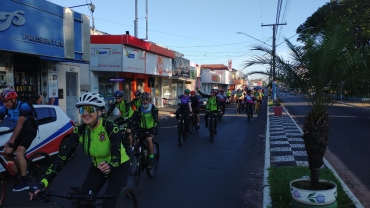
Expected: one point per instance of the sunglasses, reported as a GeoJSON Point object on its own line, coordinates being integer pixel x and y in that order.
{"type": "Point", "coordinates": [87, 109]}
{"type": "Point", "coordinates": [117, 98]}
{"type": "Point", "coordinates": [145, 99]}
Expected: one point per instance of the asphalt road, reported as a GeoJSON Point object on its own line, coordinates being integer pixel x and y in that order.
{"type": "Point", "coordinates": [227, 172]}
{"type": "Point", "coordinates": [349, 141]}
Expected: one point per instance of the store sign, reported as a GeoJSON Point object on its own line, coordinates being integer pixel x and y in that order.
{"type": "Point", "coordinates": [106, 57]}
{"type": "Point", "coordinates": [216, 78]}
{"type": "Point", "coordinates": [47, 41]}
{"type": "Point", "coordinates": [116, 79]}
{"type": "Point", "coordinates": [158, 65]}
{"type": "Point", "coordinates": [133, 60]}
{"type": "Point", "coordinates": [15, 17]}
{"type": "Point", "coordinates": [180, 67]}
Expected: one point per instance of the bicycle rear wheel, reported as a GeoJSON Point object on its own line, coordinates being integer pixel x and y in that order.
{"type": "Point", "coordinates": [37, 164]}
{"type": "Point", "coordinates": [211, 129]}
{"type": "Point", "coordinates": [3, 190]}
{"type": "Point", "coordinates": [127, 198]}
{"type": "Point", "coordinates": [152, 172]}
{"type": "Point", "coordinates": [180, 130]}
{"type": "Point", "coordinates": [135, 171]}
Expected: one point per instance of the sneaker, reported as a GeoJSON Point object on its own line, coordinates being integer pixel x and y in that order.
{"type": "Point", "coordinates": [206, 125]}
{"type": "Point", "coordinates": [198, 127]}
{"type": "Point", "coordinates": [22, 185]}
{"type": "Point", "coordinates": [151, 163]}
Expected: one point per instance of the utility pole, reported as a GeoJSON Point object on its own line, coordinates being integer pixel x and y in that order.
{"type": "Point", "coordinates": [273, 46]}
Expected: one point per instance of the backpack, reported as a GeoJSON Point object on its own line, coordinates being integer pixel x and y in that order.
{"type": "Point", "coordinates": [33, 113]}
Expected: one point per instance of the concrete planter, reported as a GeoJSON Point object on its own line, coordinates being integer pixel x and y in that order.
{"type": "Point", "coordinates": [302, 198]}
{"type": "Point", "coordinates": [278, 110]}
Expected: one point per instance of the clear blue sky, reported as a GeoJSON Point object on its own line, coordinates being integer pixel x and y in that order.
{"type": "Point", "coordinates": [203, 30]}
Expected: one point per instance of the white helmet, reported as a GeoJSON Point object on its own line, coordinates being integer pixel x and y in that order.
{"type": "Point", "coordinates": [91, 99]}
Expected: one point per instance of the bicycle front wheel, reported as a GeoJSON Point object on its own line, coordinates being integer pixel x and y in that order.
{"type": "Point", "coordinates": [37, 165]}
{"type": "Point", "coordinates": [135, 171]}
{"type": "Point", "coordinates": [127, 198]}
{"type": "Point", "coordinates": [152, 172]}
{"type": "Point", "coordinates": [3, 190]}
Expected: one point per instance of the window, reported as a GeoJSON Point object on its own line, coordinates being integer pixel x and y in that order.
{"type": "Point", "coordinates": [46, 115]}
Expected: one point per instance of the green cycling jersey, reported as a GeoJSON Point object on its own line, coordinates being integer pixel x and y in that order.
{"type": "Point", "coordinates": [212, 103]}
{"type": "Point", "coordinates": [147, 118]}
{"type": "Point", "coordinates": [134, 106]}
{"type": "Point", "coordinates": [102, 143]}
{"type": "Point", "coordinates": [123, 107]}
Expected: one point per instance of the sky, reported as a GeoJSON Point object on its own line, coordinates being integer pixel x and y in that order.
{"type": "Point", "coordinates": [205, 31]}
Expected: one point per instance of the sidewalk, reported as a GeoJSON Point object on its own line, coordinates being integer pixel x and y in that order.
{"type": "Point", "coordinates": [285, 147]}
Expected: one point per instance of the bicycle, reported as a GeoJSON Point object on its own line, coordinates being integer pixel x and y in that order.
{"type": "Point", "coordinates": [211, 124]}
{"type": "Point", "coordinates": [182, 134]}
{"type": "Point", "coordinates": [139, 159]}
{"type": "Point", "coordinates": [257, 107]}
{"type": "Point", "coordinates": [37, 164]}
{"type": "Point", "coordinates": [239, 106]}
{"type": "Point", "coordinates": [194, 122]}
{"type": "Point", "coordinates": [127, 198]}
{"type": "Point", "coordinates": [249, 111]}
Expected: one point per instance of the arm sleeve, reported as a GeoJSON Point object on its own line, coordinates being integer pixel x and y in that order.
{"type": "Point", "coordinates": [155, 116]}
{"type": "Point", "coordinates": [204, 95]}
{"type": "Point", "coordinates": [115, 143]}
{"type": "Point", "coordinates": [111, 108]}
{"type": "Point", "coordinates": [65, 153]}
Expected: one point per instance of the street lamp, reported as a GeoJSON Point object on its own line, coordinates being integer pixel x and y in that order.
{"type": "Point", "coordinates": [91, 6]}
{"type": "Point", "coordinates": [253, 38]}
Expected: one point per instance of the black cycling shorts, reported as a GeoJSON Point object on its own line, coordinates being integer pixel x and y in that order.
{"type": "Point", "coordinates": [195, 110]}
{"type": "Point", "coordinates": [27, 135]}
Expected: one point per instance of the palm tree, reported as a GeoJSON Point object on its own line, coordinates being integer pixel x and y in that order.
{"type": "Point", "coordinates": [325, 60]}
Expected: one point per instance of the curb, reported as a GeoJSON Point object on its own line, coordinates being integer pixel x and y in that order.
{"type": "Point", "coordinates": [266, 187]}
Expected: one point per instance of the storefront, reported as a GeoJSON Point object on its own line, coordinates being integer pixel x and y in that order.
{"type": "Point", "coordinates": [130, 61]}
{"type": "Point", "coordinates": [35, 37]}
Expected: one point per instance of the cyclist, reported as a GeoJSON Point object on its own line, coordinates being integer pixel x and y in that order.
{"type": "Point", "coordinates": [147, 121]}
{"type": "Point", "coordinates": [213, 105]}
{"type": "Point", "coordinates": [135, 103]}
{"type": "Point", "coordinates": [228, 94]}
{"type": "Point", "coordinates": [124, 107]}
{"type": "Point", "coordinates": [185, 108]}
{"type": "Point", "coordinates": [249, 98]}
{"type": "Point", "coordinates": [195, 106]}
{"type": "Point", "coordinates": [101, 141]}
{"type": "Point", "coordinates": [222, 99]}
{"type": "Point", "coordinates": [258, 96]}
{"type": "Point", "coordinates": [238, 97]}
{"type": "Point", "coordinates": [23, 118]}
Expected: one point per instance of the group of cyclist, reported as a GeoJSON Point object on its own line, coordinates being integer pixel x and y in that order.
{"type": "Point", "coordinates": [216, 103]}
{"type": "Point", "coordinates": [100, 137]}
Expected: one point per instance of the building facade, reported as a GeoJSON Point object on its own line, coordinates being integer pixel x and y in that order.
{"type": "Point", "coordinates": [39, 44]}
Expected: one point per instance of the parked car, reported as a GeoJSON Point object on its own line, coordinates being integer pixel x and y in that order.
{"type": "Point", "coordinates": [202, 103]}
{"type": "Point", "coordinates": [54, 127]}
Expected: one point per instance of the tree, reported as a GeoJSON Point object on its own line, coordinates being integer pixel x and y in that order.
{"type": "Point", "coordinates": [354, 13]}
{"type": "Point", "coordinates": [325, 59]}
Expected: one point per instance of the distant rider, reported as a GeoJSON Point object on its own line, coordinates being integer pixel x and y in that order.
{"type": "Point", "coordinates": [195, 106]}
{"type": "Point", "coordinates": [185, 108]}
{"type": "Point", "coordinates": [213, 106]}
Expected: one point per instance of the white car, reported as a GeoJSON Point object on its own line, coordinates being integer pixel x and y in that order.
{"type": "Point", "coordinates": [54, 127]}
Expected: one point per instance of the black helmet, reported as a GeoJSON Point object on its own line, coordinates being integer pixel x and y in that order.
{"type": "Point", "coordinates": [145, 95]}
{"type": "Point", "coordinates": [137, 93]}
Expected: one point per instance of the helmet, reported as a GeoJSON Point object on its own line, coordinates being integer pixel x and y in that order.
{"type": "Point", "coordinates": [192, 92]}
{"type": "Point", "coordinates": [214, 91]}
{"type": "Point", "coordinates": [145, 95]}
{"type": "Point", "coordinates": [8, 94]}
{"type": "Point", "coordinates": [239, 89]}
{"type": "Point", "coordinates": [187, 91]}
{"type": "Point", "coordinates": [137, 93]}
{"type": "Point", "coordinates": [222, 91]}
{"type": "Point", "coordinates": [118, 93]}
{"type": "Point", "coordinates": [92, 99]}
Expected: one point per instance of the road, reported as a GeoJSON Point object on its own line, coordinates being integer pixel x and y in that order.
{"type": "Point", "coordinates": [227, 172]}
{"type": "Point", "coordinates": [349, 141]}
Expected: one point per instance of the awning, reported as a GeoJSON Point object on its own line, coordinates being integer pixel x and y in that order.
{"type": "Point", "coordinates": [63, 60]}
